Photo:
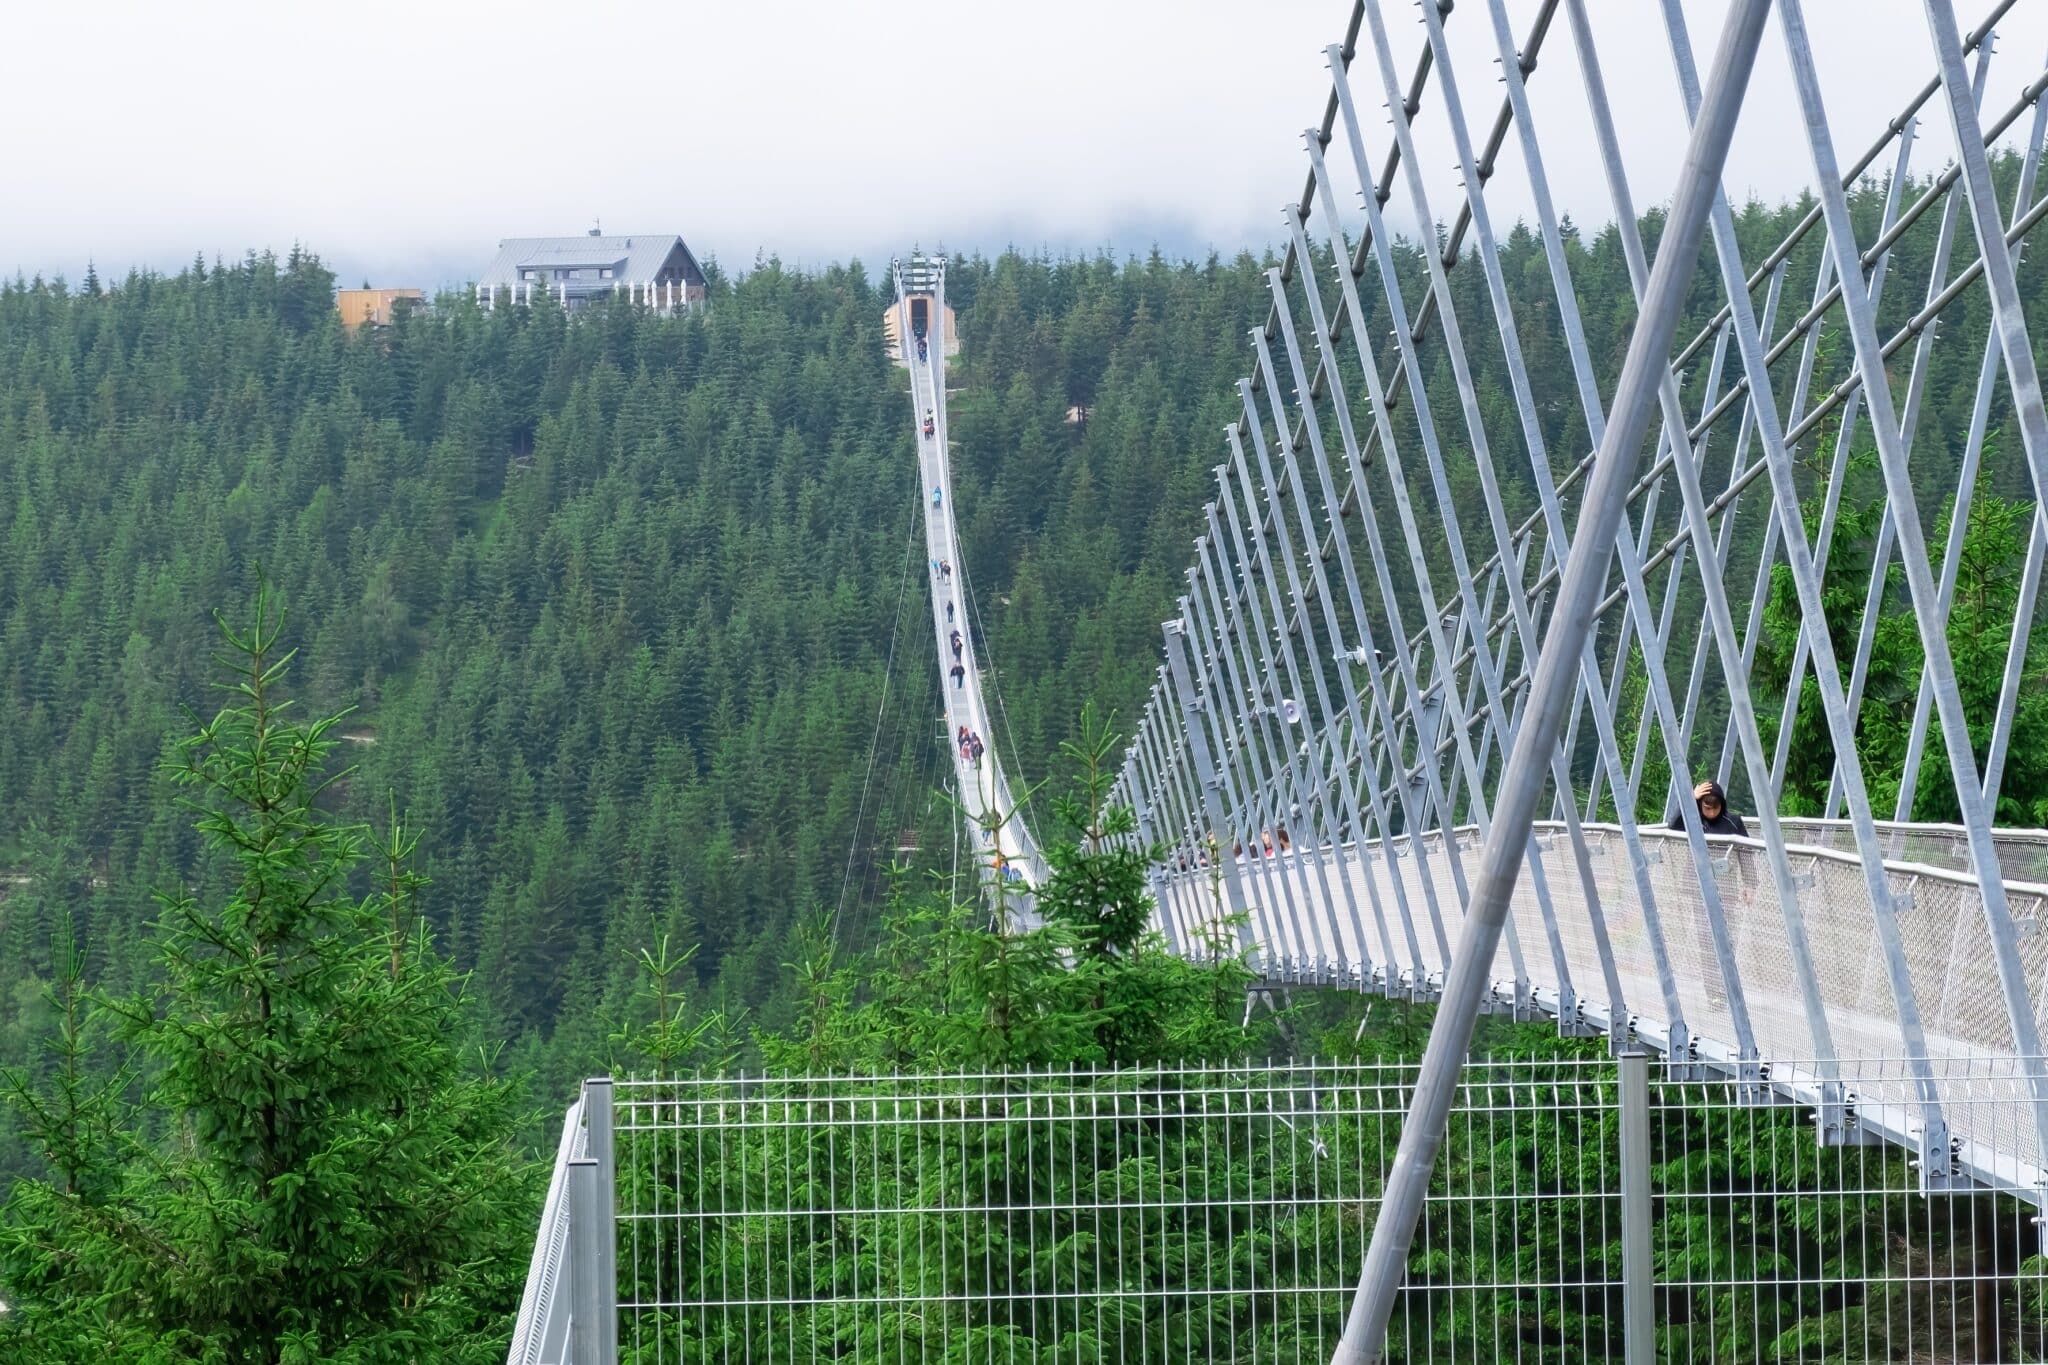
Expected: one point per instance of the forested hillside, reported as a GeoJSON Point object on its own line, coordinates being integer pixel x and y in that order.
{"type": "Point", "coordinates": [614, 598]}
{"type": "Point", "coordinates": [617, 599]}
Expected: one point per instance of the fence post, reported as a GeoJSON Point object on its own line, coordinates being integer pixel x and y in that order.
{"type": "Point", "coordinates": [593, 1239]}
{"type": "Point", "coordinates": [1638, 1306]}
{"type": "Point", "coordinates": [586, 1306]}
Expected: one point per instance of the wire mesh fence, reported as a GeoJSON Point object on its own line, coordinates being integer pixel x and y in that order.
{"type": "Point", "coordinates": [1221, 1213]}
{"type": "Point", "coordinates": [1770, 1246]}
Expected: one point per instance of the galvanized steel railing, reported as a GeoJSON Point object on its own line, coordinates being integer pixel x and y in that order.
{"type": "Point", "coordinates": [568, 1312]}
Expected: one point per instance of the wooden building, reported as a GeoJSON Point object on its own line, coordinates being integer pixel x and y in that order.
{"type": "Point", "coordinates": [374, 307]}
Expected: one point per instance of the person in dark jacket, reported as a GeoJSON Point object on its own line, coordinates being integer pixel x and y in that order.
{"type": "Point", "coordinates": [1715, 817]}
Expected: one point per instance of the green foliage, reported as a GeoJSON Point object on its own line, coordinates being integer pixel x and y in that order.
{"type": "Point", "coordinates": [664, 1030]}
{"type": "Point", "coordinates": [949, 986]}
{"type": "Point", "coordinates": [1980, 623]}
{"type": "Point", "coordinates": [611, 597]}
{"type": "Point", "coordinates": [320, 1168]}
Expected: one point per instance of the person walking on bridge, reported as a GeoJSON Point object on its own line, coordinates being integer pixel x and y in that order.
{"type": "Point", "coordinates": [1715, 817]}
{"type": "Point", "coordinates": [959, 675]}
{"type": "Point", "coordinates": [956, 644]}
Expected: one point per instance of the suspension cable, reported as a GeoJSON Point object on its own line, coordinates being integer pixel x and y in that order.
{"type": "Point", "coordinates": [875, 734]}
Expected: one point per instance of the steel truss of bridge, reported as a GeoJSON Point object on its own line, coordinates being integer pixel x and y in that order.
{"type": "Point", "coordinates": [1479, 600]}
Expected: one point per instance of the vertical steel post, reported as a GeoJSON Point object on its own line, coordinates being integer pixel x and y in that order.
{"type": "Point", "coordinates": [1258, 750]}
{"type": "Point", "coordinates": [594, 1264]}
{"type": "Point", "coordinates": [1278, 650]}
{"type": "Point", "coordinates": [1318, 675]}
{"type": "Point", "coordinates": [1939, 663]}
{"type": "Point", "coordinates": [1723, 546]}
{"type": "Point", "coordinates": [1223, 684]}
{"type": "Point", "coordinates": [1205, 768]}
{"type": "Point", "coordinates": [1638, 595]}
{"type": "Point", "coordinates": [1909, 424]}
{"type": "Point", "coordinates": [1638, 1268]}
{"type": "Point", "coordinates": [597, 1122]}
{"type": "Point", "coordinates": [2008, 323]}
{"type": "Point", "coordinates": [586, 1302]}
{"type": "Point", "coordinates": [1162, 805]}
{"type": "Point", "coordinates": [1802, 383]}
{"type": "Point", "coordinates": [1635, 397]}
{"type": "Point", "coordinates": [1126, 793]}
{"type": "Point", "coordinates": [1275, 649]}
{"type": "Point", "coordinates": [1412, 794]}
{"type": "Point", "coordinates": [1520, 610]}
{"type": "Point", "coordinates": [1417, 384]}
{"type": "Point", "coordinates": [1172, 797]}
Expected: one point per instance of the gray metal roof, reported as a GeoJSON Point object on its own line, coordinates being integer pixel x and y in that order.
{"type": "Point", "coordinates": [634, 259]}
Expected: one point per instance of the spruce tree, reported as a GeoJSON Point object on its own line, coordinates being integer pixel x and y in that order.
{"type": "Point", "coordinates": [322, 1169]}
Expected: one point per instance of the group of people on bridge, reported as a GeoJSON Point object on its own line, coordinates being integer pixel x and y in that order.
{"type": "Point", "coordinates": [1270, 841]}
{"type": "Point", "coordinates": [971, 747]}
{"type": "Point", "coordinates": [942, 573]}
{"type": "Point", "coordinates": [1709, 797]}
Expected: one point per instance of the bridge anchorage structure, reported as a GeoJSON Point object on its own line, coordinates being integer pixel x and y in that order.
{"type": "Point", "coordinates": [1474, 608]}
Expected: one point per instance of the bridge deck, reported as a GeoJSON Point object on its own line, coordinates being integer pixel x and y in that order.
{"type": "Point", "coordinates": [982, 785]}
{"type": "Point", "coordinates": [1300, 905]}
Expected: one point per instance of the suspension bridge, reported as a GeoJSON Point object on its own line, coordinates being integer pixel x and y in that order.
{"type": "Point", "coordinates": [1462, 631]}
{"type": "Point", "coordinates": [1006, 855]}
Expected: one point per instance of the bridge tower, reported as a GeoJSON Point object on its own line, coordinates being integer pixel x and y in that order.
{"type": "Point", "coordinates": [923, 303]}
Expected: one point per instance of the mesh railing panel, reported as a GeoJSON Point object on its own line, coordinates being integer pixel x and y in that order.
{"type": "Point", "coordinates": [1222, 1213]}
{"type": "Point", "coordinates": [2022, 853]}
{"type": "Point", "coordinates": [1941, 920]}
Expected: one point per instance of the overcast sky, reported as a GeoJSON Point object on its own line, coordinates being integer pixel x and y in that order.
{"type": "Point", "coordinates": [401, 140]}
